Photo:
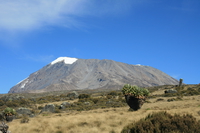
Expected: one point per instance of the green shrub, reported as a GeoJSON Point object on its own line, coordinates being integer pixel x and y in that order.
{"type": "Point", "coordinates": [24, 102]}
{"type": "Point", "coordinates": [2, 103]}
{"type": "Point", "coordinates": [57, 110]}
{"type": "Point", "coordinates": [40, 107]}
{"type": "Point", "coordinates": [159, 99]}
{"type": "Point", "coordinates": [113, 93]}
{"type": "Point", "coordinates": [12, 104]}
{"type": "Point", "coordinates": [134, 91]}
{"type": "Point", "coordinates": [82, 96]}
{"type": "Point", "coordinates": [25, 119]}
{"type": "Point", "coordinates": [96, 103]}
{"type": "Point", "coordinates": [163, 122]}
{"type": "Point", "coordinates": [59, 131]}
{"type": "Point", "coordinates": [95, 100]}
{"type": "Point", "coordinates": [109, 96]}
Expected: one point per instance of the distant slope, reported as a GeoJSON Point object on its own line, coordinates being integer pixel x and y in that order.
{"type": "Point", "coordinates": [75, 74]}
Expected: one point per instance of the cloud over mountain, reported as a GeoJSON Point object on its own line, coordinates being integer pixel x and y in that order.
{"type": "Point", "coordinates": [23, 15]}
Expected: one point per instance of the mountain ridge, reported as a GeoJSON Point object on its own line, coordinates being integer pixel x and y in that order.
{"type": "Point", "coordinates": [90, 74]}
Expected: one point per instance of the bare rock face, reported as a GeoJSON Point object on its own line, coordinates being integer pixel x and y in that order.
{"type": "Point", "coordinates": [76, 74]}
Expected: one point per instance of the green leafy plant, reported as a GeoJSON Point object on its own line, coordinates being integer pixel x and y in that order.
{"type": "Point", "coordinates": [135, 91]}
{"type": "Point", "coordinates": [9, 111]}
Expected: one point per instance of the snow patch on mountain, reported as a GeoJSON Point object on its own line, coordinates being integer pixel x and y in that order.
{"type": "Point", "coordinates": [67, 60]}
{"type": "Point", "coordinates": [25, 82]}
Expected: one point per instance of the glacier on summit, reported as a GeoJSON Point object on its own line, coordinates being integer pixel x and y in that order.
{"type": "Point", "coordinates": [67, 60]}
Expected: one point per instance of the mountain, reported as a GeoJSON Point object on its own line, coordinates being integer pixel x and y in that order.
{"type": "Point", "coordinates": [67, 73]}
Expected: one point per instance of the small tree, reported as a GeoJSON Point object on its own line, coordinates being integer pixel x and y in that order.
{"type": "Point", "coordinates": [135, 91]}
{"type": "Point", "coordinates": [135, 96]}
{"type": "Point", "coordinates": [9, 113]}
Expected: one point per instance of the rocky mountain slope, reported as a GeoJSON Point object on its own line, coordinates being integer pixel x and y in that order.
{"type": "Point", "coordinates": [75, 74]}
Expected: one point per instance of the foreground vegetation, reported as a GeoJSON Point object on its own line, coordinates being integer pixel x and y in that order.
{"type": "Point", "coordinates": [105, 112]}
{"type": "Point", "coordinates": [163, 122]}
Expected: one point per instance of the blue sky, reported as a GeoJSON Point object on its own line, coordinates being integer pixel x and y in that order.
{"type": "Point", "coordinates": [164, 34]}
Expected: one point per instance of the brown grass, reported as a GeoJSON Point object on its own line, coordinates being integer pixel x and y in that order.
{"type": "Point", "coordinates": [103, 120]}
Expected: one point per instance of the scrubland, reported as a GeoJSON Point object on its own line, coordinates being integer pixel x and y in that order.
{"type": "Point", "coordinates": [107, 120]}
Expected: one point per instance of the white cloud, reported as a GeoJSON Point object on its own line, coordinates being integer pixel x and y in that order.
{"type": "Point", "coordinates": [27, 15]}
{"type": "Point", "coordinates": [176, 76]}
{"type": "Point", "coordinates": [39, 58]}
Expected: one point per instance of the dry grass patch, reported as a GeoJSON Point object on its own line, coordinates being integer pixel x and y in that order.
{"type": "Point", "coordinates": [98, 121]}
{"type": "Point", "coordinates": [103, 120]}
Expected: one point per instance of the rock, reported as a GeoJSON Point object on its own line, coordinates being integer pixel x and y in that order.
{"type": "Point", "coordinates": [170, 91]}
{"type": "Point", "coordinates": [1, 117]}
{"type": "Point", "coordinates": [49, 108]}
{"type": "Point", "coordinates": [24, 111]}
{"type": "Point", "coordinates": [32, 115]}
{"type": "Point", "coordinates": [64, 104]}
{"type": "Point", "coordinates": [110, 102]}
{"type": "Point", "coordinates": [4, 128]}
{"type": "Point", "coordinates": [87, 103]}
{"type": "Point", "coordinates": [62, 107]}
{"type": "Point", "coordinates": [73, 94]}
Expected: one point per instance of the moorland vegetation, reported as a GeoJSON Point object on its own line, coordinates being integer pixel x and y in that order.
{"type": "Point", "coordinates": [106, 111]}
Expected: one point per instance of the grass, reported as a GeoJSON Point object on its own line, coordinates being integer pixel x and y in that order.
{"type": "Point", "coordinates": [103, 120]}
{"type": "Point", "coordinates": [107, 120]}
{"type": "Point", "coordinates": [100, 120]}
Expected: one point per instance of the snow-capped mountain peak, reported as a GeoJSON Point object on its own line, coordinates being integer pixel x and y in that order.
{"type": "Point", "coordinates": [90, 74]}
{"type": "Point", "coordinates": [67, 60]}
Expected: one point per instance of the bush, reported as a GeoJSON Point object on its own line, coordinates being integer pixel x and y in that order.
{"type": "Point", "coordinates": [25, 119]}
{"type": "Point", "coordinates": [113, 93]}
{"type": "Point", "coordinates": [40, 107]}
{"type": "Point", "coordinates": [82, 96]}
{"type": "Point", "coordinates": [109, 96]}
{"type": "Point", "coordinates": [163, 122]}
{"type": "Point", "coordinates": [12, 104]}
{"type": "Point", "coordinates": [57, 110]}
{"type": "Point", "coordinates": [2, 103]}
